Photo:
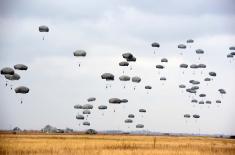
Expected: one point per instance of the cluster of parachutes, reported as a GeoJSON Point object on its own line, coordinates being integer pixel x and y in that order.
{"type": "Point", "coordinates": [231, 54]}
{"type": "Point", "coordinates": [10, 76]}
{"type": "Point", "coordinates": [192, 87]}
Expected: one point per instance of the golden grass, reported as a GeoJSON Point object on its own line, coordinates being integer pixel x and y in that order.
{"type": "Point", "coordinates": [46, 144]}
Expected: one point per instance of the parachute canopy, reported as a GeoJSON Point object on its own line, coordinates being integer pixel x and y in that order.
{"type": "Point", "coordinates": [21, 67]}
{"type": "Point", "coordinates": [155, 44]}
{"type": "Point", "coordinates": [107, 76]}
{"type": "Point", "coordinates": [43, 28]}
{"type": "Point", "coordinates": [79, 53]}
{"type": "Point", "coordinates": [7, 71]}
{"type": "Point", "coordinates": [21, 90]}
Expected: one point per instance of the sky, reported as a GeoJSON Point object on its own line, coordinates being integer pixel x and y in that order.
{"type": "Point", "coordinates": [105, 30]}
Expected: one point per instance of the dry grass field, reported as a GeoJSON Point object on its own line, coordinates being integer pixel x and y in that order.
{"type": "Point", "coordinates": [47, 144]}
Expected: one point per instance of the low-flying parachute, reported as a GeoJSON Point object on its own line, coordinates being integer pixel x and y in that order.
{"type": "Point", "coordinates": [196, 116]}
{"type": "Point", "coordinates": [20, 67]}
{"type": "Point", "coordinates": [202, 95]}
{"type": "Point", "coordinates": [79, 53]}
{"type": "Point", "coordinates": [201, 102]}
{"type": "Point", "coordinates": [232, 48]}
{"type": "Point", "coordinates": [195, 87]}
{"type": "Point", "coordinates": [142, 111]}
{"type": "Point", "coordinates": [90, 99]}
{"type": "Point", "coordinates": [199, 51]}
{"type": "Point", "coordinates": [190, 41]}
{"type": "Point", "coordinates": [164, 60]}
{"type": "Point", "coordinates": [148, 88]}
{"type": "Point", "coordinates": [107, 77]}
{"type": "Point", "coordinates": [7, 71]}
{"type": "Point", "coordinates": [186, 115]}
{"type": "Point", "coordinates": [194, 82]}
{"type": "Point", "coordinates": [139, 126]}
{"type": "Point", "coordinates": [155, 45]}
{"type": "Point", "coordinates": [191, 91]}
{"type": "Point", "coordinates": [131, 116]}
{"type": "Point", "coordinates": [213, 74]}
{"type": "Point", "coordinates": [222, 91]}
{"type": "Point", "coordinates": [124, 78]}
{"type": "Point", "coordinates": [43, 29]}
{"type": "Point", "coordinates": [77, 106]}
{"type": "Point", "coordinates": [182, 86]}
{"type": "Point", "coordinates": [202, 66]}
{"type": "Point", "coordinates": [115, 101]}
{"type": "Point", "coordinates": [79, 117]}
{"type": "Point", "coordinates": [87, 106]}
{"type": "Point", "coordinates": [193, 66]}
{"type": "Point", "coordinates": [183, 66]}
{"type": "Point", "coordinates": [22, 90]}
{"type": "Point", "coordinates": [86, 112]}
{"type": "Point", "coordinates": [135, 79]}
{"type": "Point", "coordinates": [159, 67]}
{"type": "Point", "coordinates": [182, 47]}
{"type": "Point", "coordinates": [128, 121]}
{"type": "Point", "coordinates": [123, 64]}
{"type": "Point", "coordinates": [124, 100]}
{"type": "Point", "coordinates": [102, 107]}
{"type": "Point", "coordinates": [163, 79]}
{"type": "Point", "coordinates": [129, 57]}
{"type": "Point", "coordinates": [13, 77]}
{"type": "Point", "coordinates": [86, 123]}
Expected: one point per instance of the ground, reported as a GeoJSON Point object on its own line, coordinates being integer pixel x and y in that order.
{"type": "Point", "coordinates": [62, 144]}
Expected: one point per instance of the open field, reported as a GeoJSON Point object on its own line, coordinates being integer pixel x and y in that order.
{"type": "Point", "coordinates": [16, 144]}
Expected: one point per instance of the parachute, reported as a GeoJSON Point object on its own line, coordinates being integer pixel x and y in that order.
{"type": "Point", "coordinates": [131, 116]}
{"type": "Point", "coordinates": [107, 77]}
{"type": "Point", "coordinates": [139, 126]}
{"type": "Point", "coordinates": [91, 99]}
{"type": "Point", "coordinates": [21, 67]}
{"type": "Point", "coordinates": [79, 53]}
{"type": "Point", "coordinates": [155, 45]}
{"type": "Point", "coordinates": [43, 29]}
{"type": "Point", "coordinates": [21, 90]}
{"type": "Point", "coordinates": [80, 117]}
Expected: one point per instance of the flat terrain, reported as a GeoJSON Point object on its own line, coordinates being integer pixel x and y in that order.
{"type": "Point", "coordinates": [48, 144]}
